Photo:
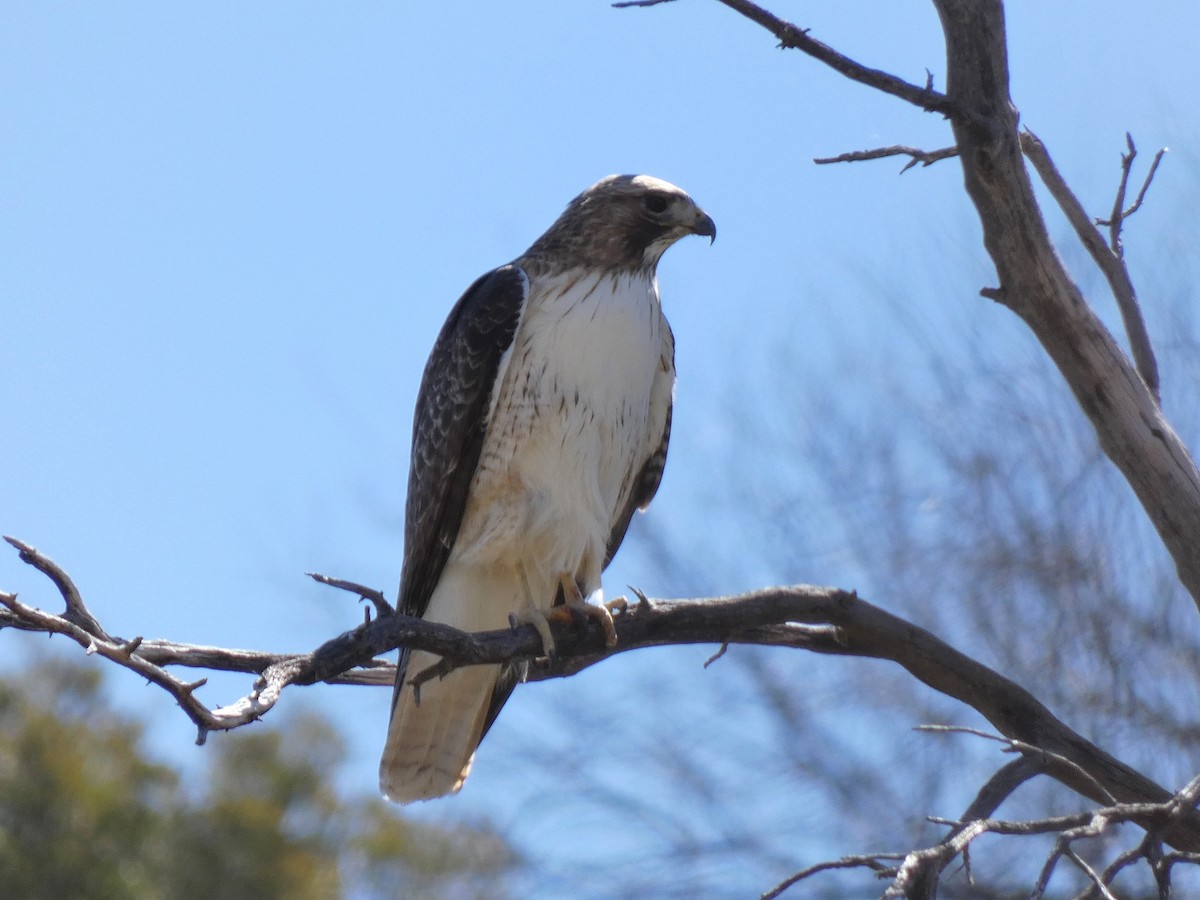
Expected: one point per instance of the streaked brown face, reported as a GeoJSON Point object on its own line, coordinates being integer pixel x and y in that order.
{"type": "Point", "coordinates": [624, 221]}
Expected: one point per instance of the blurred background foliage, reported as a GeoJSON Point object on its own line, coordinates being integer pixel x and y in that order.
{"type": "Point", "coordinates": [220, 285]}
{"type": "Point", "coordinates": [86, 812]}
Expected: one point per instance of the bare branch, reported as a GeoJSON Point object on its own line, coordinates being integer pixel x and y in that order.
{"type": "Point", "coordinates": [918, 875]}
{"type": "Point", "coordinates": [1130, 426]}
{"type": "Point", "coordinates": [792, 37]}
{"type": "Point", "coordinates": [1137, 204]}
{"type": "Point", "coordinates": [1116, 397]}
{"type": "Point", "coordinates": [1148, 850]}
{"type": "Point", "coordinates": [1119, 214]}
{"type": "Point", "coordinates": [1110, 261]}
{"type": "Point", "coordinates": [1019, 746]}
{"type": "Point", "coordinates": [721, 651]}
{"type": "Point", "coordinates": [374, 595]}
{"type": "Point", "coordinates": [863, 861]}
{"type": "Point", "coordinates": [77, 613]}
{"type": "Point", "coordinates": [849, 627]}
{"type": "Point", "coordinates": [918, 157]}
{"type": "Point", "coordinates": [118, 651]}
{"type": "Point", "coordinates": [1094, 827]}
{"type": "Point", "coordinates": [1114, 221]}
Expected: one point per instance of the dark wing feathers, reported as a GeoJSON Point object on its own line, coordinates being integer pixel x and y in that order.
{"type": "Point", "coordinates": [448, 430]}
{"type": "Point", "coordinates": [449, 425]}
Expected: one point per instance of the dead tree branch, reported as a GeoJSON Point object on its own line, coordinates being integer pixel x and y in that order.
{"type": "Point", "coordinates": [1109, 260]}
{"type": "Point", "coordinates": [916, 877]}
{"type": "Point", "coordinates": [1121, 406]}
{"type": "Point", "coordinates": [76, 613]}
{"type": "Point", "coordinates": [792, 37]}
{"type": "Point", "coordinates": [873, 861]}
{"type": "Point", "coordinates": [1129, 423]}
{"type": "Point", "coordinates": [783, 617]}
{"type": "Point", "coordinates": [1036, 754]}
{"type": "Point", "coordinates": [918, 874]}
{"type": "Point", "coordinates": [1120, 398]}
{"type": "Point", "coordinates": [1116, 219]}
{"type": "Point", "coordinates": [917, 156]}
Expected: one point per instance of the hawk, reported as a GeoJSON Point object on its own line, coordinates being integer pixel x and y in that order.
{"type": "Point", "coordinates": [541, 424]}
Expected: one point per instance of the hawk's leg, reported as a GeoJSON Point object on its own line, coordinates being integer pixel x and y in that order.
{"type": "Point", "coordinates": [575, 602]}
{"type": "Point", "coordinates": [533, 614]}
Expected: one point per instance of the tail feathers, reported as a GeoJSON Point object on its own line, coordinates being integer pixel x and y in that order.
{"type": "Point", "coordinates": [430, 745]}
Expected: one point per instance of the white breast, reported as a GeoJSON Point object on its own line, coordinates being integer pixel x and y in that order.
{"type": "Point", "coordinates": [569, 424]}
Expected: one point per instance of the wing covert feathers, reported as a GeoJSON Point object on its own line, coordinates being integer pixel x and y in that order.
{"type": "Point", "coordinates": [449, 425]}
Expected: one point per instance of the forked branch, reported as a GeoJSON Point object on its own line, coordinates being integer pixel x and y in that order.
{"type": "Point", "coordinates": [1120, 213]}
{"type": "Point", "coordinates": [916, 875]}
{"type": "Point", "coordinates": [1117, 395]}
{"type": "Point", "coordinates": [782, 617]}
{"type": "Point", "coordinates": [1109, 259]}
{"type": "Point", "coordinates": [916, 156]}
{"type": "Point", "coordinates": [793, 37]}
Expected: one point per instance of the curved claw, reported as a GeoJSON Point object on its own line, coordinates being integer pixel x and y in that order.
{"type": "Point", "coordinates": [575, 602]}
{"type": "Point", "coordinates": [537, 618]}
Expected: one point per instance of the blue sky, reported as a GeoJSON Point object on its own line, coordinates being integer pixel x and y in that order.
{"type": "Point", "coordinates": [231, 232]}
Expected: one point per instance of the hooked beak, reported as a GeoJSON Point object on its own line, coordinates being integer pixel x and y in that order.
{"type": "Point", "coordinates": [704, 225]}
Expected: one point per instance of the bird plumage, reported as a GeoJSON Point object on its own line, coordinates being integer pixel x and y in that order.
{"type": "Point", "coordinates": [542, 423]}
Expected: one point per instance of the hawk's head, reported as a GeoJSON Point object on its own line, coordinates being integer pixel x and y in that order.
{"type": "Point", "coordinates": [623, 222]}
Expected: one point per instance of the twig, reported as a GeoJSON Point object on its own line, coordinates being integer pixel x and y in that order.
{"type": "Point", "coordinates": [721, 651]}
{"type": "Point", "coordinates": [919, 157]}
{"type": "Point", "coordinates": [439, 669]}
{"type": "Point", "coordinates": [1094, 827]}
{"type": "Point", "coordinates": [1148, 849]}
{"type": "Point", "coordinates": [919, 873]}
{"type": "Point", "coordinates": [375, 596]}
{"type": "Point", "coordinates": [77, 613]}
{"type": "Point", "coordinates": [861, 861]}
{"type": "Point", "coordinates": [643, 600]}
{"type": "Point", "coordinates": [205, 720]}
{"type": "Point", "coordinates": [792, 37]}
{"type": "Point", "coordinates": [851, 627]}
{"type": "Point", "coordinates": [1137, 204]}
{"type": "Point", "coordinates": [1030, 750]}
{"type": "Point", "coordinates": [917, 876]}
{"type": "Point", "coordinates": [1110, 260]}
{"type": "Point", "coordinates": [1117, 219]}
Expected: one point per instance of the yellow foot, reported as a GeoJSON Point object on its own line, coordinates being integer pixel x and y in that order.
{"type": "Point", "coordinates": [617, 605]}
{"type": "Point", "coordinates": [575, 602]}
{"type": "Point", "coordinates": [537, 618]}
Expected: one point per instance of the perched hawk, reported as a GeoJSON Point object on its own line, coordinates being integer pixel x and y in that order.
{"type": "Point", "coordinates": [541, 425]}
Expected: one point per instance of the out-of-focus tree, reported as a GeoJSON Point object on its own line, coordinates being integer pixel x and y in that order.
{"type": "Point", "coordinates": [1041, 511]}
{"type": "Point", "coordinates": [971, 494]}
{"type": "Point", "coordinates": [84, 812]}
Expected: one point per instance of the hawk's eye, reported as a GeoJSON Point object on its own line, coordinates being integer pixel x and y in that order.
{"type": "Point", "coordinates": [656, 203]}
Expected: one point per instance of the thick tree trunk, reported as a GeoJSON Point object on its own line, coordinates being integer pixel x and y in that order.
{"type": "Point", "coordinates": [1034, 284]}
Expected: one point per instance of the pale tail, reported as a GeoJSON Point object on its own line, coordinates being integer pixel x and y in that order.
{"type": "Point", "coordinates": [430, 745]}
